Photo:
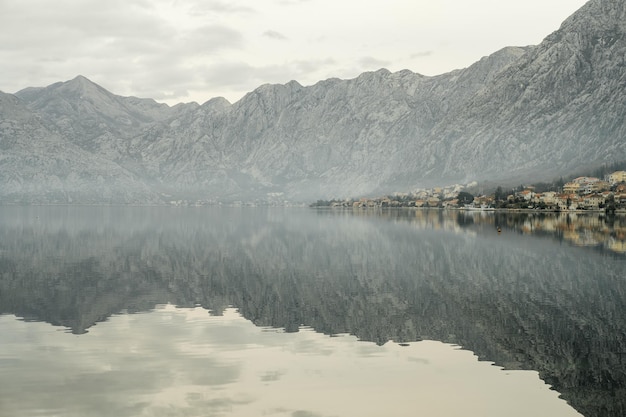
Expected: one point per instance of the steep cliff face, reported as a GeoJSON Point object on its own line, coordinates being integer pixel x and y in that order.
{"type": "Point", "coordinates": [531, 113]}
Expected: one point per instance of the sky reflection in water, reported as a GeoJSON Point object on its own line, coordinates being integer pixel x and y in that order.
{"type": "Point", "coordinates": [180, 361]}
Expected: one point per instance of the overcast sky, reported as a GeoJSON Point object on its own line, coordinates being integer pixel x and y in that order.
{"type": "Point", "coordinates": [193, 50]}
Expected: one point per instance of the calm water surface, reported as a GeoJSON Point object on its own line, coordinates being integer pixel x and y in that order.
{"type": "Point", "coordinates": [301, 313]}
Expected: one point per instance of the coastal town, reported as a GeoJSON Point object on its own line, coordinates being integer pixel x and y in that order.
{"type": "Point", "coordinates": [583, 193]}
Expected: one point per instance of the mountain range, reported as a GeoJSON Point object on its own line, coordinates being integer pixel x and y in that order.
{"type": "Point", "coordinates": [534, 112]}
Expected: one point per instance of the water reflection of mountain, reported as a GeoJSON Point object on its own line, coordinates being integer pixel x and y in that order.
{"type": "Point", "coordinates": [521, 301]}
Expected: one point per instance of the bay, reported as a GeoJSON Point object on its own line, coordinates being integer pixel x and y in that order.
{"type": "Point", "coordinates": [146, 311]}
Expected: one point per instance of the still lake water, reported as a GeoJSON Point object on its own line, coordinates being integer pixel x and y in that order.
{"type": "Point", "coordinates": [109, 311]}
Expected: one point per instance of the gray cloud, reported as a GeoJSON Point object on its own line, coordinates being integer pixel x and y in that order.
{"type": "Point", "coordinates": [231, 75]}
{"type": "Point", "coordinates": [78, 22]}
{"type": "Point", "coordinates": [210, 39]}
{"type": "Point", "coordinates": [313, 65]}
{"type": "Point", "coordinates": [372, 63]}
{"type": "Point", "coordinates": [272, 34]}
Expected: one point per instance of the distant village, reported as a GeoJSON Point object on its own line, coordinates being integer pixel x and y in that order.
{"type": "Point", "coordinates": [579, 194]}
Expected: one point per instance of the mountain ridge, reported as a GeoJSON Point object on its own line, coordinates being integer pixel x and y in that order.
{"type": "Point", "coordinates": [568, 79]}
{"type": "Point", "coordinates": [532, 112]}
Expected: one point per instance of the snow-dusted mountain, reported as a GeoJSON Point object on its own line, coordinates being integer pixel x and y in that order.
{"type": "Point", "coordinates": [533, 113]}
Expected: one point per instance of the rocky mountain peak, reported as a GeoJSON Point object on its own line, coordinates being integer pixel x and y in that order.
{"type": "Point", "coordinates": [82, 84]}
{"type": "Point", "coordinates": [217, 103]}
{"type": "Point", "coordinates": [79, 90]}
{"type": "Point", "coordinates": [597, 15]}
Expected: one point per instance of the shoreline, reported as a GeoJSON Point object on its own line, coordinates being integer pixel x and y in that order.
{"type": "Point", "coordinates": [601, 212]}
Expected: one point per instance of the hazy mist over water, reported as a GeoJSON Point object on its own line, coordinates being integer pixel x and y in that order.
{"type": "Point", "coordinates": [299, 312]}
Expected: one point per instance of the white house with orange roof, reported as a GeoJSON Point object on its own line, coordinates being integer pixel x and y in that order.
{"type": "Point", "coordinates": [526, 194]}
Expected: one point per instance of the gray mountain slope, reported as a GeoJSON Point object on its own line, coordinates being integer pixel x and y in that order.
{"type": "Point", "coordinates": [531, 113]}
{"type": "Point", "coordinates": [38, 165]}
{"type": "Point", "coordinates": [558, 108]}
{"type": "Point", "coordinates": [93, 118]}
{"type": "Point", "coordinates": [337, 137]}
